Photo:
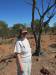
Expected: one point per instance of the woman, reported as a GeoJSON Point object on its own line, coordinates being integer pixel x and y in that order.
{"type": "Point", "coordinates": [23, 54]}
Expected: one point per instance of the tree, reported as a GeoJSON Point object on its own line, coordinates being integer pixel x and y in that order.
{"type": "Point", "coordinates": [29, 30]}
{"type": "Point", "coordinates": [53, 29]}
{"type": "Point", "coordinates": [3, 29]}
{"type": "Point", "coordinates": [54, 25]}
{"type": "Point", "coordinates": [15, 29]}
{"type": "Point", "coordinates": [47, 12]}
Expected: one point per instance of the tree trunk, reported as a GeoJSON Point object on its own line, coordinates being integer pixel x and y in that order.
{"type": "Point", "coordinates": [38, 41]}
{"type": "Point", "coordinates": [38, 44]}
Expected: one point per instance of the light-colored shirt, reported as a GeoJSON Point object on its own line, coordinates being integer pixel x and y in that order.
{"type": "Point", "coordinates": [23, 47]}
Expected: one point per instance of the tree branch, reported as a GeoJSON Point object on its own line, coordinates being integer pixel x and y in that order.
{"type": "Point", "coordinates": [49, 3]}
{"type": "Point", "coordinates": [42, 6]}
{"type": "Point", "coordinates": [8, 57]}
{"type": "Point", "coordinates": [52, 12]}
{"type": "Point", "coordinates": [48, 9]}
{"type": "Point", "coordinates": [38, 11]}
{"type": "Point", "coordinates": [35, 7]}
{"type": "Point", "coordinates": [49, 19]}
{"type": "Point", "coordinates": [33, 11]}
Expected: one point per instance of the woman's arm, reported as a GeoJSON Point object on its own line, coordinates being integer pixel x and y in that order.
{"type": "Point", "coordinates": [19, 60]}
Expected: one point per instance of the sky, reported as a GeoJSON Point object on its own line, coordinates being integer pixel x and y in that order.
{"type": "Point", "coordinates": [17, 11]}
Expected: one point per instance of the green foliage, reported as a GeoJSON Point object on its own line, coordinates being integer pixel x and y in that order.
{"type": "Point", "coordinates": [54, 25]}
{"type": "Point", "coordinates": [6, 32]}
{"type": "Point", "coordinates": [52, 30]}
{"type": "Point", "coordinates": [44, 28]}
{"type": "Point", "coordinates": [36, 25]}
{"type": "Point", "coordinates": [37, 22]}
{"type": "Point", "coordinates": [15, 29]}
{"type": "Point", "coordinates": [29, 30]}
{"type": "Point", "coordinates": [3, 25]}
{"type": "Point", "coordinates": [3, 28]}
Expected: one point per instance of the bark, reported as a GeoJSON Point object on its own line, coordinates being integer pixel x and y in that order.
{"type": "Point", "coordinates": [38, 43]}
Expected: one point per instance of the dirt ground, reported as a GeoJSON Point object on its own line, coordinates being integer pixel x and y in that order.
{"type": "Point", "coordinates": [41, 65]}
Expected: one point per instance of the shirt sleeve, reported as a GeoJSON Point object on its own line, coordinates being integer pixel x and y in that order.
{"type": "Point", "coordinates": [17, 48]}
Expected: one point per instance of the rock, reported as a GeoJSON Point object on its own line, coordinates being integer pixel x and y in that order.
{"type": "Point", "coordinates": [55, 56]}
{"type": "Point", "coordinates": [44, 71]}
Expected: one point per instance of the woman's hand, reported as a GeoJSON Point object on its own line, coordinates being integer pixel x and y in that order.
{"type": "Point", "coordinates": [21, 67]}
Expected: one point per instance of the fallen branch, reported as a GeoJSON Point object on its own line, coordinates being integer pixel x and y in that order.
{"type": "Point", "coordinates": [7, 58]}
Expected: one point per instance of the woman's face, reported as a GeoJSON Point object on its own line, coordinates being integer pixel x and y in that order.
{"type": "Point", "coordinates": [23, 35]}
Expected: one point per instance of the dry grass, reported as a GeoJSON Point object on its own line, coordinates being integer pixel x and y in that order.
{"type": "Point", "coordinates": [48, 61]}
